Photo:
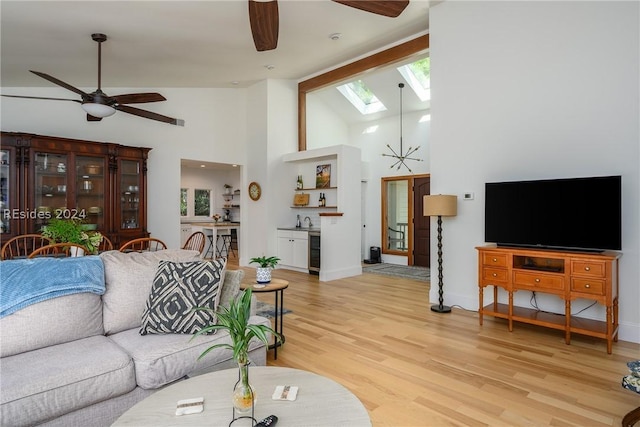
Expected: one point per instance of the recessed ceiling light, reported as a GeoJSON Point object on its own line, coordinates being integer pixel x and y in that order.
{"type": "Point", "coordinates": [235, 82]}
{"type": "Point", "coordinates": [335, 36]}
{"type": "Point", "coordinates": [235, 166]}
{"type": "Point", "coordinates": [202, 166]}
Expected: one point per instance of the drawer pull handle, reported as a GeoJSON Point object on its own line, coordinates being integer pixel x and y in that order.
{"type": "Point", "coordinates": [537, 280]}
{"type": "Point", "coordinates": [495, 275]}
{"type": "Point", "coordinates": [495, 260]}
{"type": "Point", "coordinates": [587, 286]}
{"type": "Point", "coordinates": [587, 269]}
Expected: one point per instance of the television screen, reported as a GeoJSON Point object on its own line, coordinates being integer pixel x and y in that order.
{"type": "Point", "coordinates": [571, 213]}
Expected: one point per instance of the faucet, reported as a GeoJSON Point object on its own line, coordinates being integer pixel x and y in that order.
{"type": "Point", "coordinates": [306, 218]}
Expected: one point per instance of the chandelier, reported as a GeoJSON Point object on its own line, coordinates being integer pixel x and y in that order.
{"type": "Point", "coordinates": [401, 157]}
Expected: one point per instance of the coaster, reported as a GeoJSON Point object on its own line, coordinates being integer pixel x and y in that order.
{"type": "Point", "coordinates": [285, 392]}
{"type": "Point", "coordinates": [190, 406]}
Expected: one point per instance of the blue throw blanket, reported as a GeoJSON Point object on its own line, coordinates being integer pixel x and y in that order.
{"type": "Point", "coordinates": [28, 281]}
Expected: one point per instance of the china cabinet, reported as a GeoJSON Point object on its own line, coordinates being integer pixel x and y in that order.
{"type": "Point", "coordinates": [44, 177]}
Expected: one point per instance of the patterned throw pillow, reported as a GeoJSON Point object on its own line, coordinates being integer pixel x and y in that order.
{"type": "Point", "coordinates": [177, 289]}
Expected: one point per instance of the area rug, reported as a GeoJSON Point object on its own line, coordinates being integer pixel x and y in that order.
{"type": "Point", "coordinates": [410, 272]}
{"type": "Point", "coordinates": [267, 310]}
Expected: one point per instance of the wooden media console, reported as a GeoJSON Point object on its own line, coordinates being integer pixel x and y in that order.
{"type": "Point", "coordinates": [568, 275]}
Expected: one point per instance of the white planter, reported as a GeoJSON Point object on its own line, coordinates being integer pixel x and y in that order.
{"type": "Point", "coordinates": [76, 251]}
{"type": "Point", "coordinates": [263, 274]}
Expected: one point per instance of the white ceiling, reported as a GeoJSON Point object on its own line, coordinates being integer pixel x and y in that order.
{"type": "Point", "coordinates": [186, 43]}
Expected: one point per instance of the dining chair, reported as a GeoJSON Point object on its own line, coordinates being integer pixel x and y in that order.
{"type": "Point", "coordinates": [143, 244]}
{"type": "Point", "coordinates": [195, 242]}
{"type": "Point", "coordinates": [21, 246]}
{"type": "Point", "coordinates": [105, 245]}
{"type": "Point", "coordinates": [66, 249]}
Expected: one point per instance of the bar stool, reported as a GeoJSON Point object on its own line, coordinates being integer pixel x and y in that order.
{"type": "Point", "coordinates": [212, 245]}
{"type": "Point", "coordinates": [224, 243]}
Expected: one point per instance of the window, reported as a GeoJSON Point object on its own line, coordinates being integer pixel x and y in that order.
{"type": "Point", "coordinates": [417, 74]}
{"type": "Point", "coordinates": [361, 97]}
{"type": "Point", "coordinates": [183, 202]}
{"type": "Point", "coordinates": [202, 206]}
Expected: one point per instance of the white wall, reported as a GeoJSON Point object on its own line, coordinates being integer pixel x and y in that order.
{"type": "Point", "coordinates": [324, 126]}
{"type": "Point", "coordinates": [531, 90]}
{"type": "Point", "coordinates": [214, 131]}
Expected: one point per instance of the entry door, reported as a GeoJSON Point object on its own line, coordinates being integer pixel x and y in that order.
{"type": "Point", "coordinates": [421, 224]}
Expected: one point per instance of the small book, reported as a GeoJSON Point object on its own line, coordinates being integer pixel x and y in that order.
{"type": "Point", "coordinates": [285, 392]}
{"type": "Point", "coordinates": [190, 406]}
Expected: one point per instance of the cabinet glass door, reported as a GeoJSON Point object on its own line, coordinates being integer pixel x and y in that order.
{"type": "Point", "coordinates": [130, 181]}
{"type": "Point", "coordinates": [6, 185]}
{"type": "Point", "coordinates": [50, 188]}
{"type": "Point", "coordinates": [90, 191]}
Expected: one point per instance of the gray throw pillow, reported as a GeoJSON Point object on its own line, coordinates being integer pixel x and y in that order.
{"type": "Point", "coordinates": [178, 288]}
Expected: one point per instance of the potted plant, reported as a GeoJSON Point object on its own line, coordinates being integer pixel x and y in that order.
{"type": "Point", "coordinates": [72, 231]}
{"type": "Point", "coordinates": [263, 273]}
{"type": "Point", "coordinates": [235, 320]}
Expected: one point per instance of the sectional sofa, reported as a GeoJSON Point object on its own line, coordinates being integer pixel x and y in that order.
{"type": "Point", "coordinates": [79, 359]}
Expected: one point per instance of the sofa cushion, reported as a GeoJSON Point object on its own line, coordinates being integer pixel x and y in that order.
{"type": "Point", "coordinates": [24, 330]}
{"type": "Point", "coordinates": [52, 381]}
{"type": "Point", "coordinates": [163, 358]}
{"type": "Point", "coordinates": [128, 279]}
{"type": "Point", "coordinates": [231, 286]}
{"type": "Point", "coordinates": [179, 288]}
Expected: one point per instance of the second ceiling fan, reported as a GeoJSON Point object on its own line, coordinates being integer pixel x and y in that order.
{"type": "Point", "coordinates": [98, 104]}
{"type": "Point", "coordinates": [264, 19]}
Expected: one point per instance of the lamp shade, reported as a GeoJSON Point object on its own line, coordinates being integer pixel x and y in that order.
{"type": "Point", "coordinates": [98, 110]}
{"type": "Point", "coordinates": [440, 205]}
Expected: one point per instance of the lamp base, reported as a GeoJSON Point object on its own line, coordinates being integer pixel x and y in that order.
{"type": "Point", "coordinates": [441, 308]}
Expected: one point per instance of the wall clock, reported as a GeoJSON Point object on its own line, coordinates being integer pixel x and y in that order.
{"type": "Point", "coordinates": [255, 191]}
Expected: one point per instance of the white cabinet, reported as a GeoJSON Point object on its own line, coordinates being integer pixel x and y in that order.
{"type": "Point", "coordinates": [185, 232]}
{"type": "Point", "coordinates": [293, 248]}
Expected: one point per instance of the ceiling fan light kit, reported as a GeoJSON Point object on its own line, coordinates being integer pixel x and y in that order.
{"type": "Point", "coordinates": [98, 104]}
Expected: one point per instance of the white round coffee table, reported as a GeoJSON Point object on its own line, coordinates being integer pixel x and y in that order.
{"type": "Point", "coordinates": [320, 401]}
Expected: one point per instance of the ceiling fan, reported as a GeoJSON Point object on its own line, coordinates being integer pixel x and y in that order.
{"type": "Point", "coordinates": [263, 17]}
{"type": "Point", "coordinates": [98, 104]}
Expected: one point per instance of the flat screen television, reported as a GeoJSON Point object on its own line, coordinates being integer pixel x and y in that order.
{"type": "Point", "coordinates": [568, 213]}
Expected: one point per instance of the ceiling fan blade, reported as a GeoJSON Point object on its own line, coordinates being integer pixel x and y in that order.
{"type": "Point", "coordinates": [91, 118]}
{"type": "Point", "coordinates": [138, 98]}
{"type": "Point", "coordinates": [390, 8]}
{"type": "Point", "coordinates": [59, 82]}
{"type": "Point", "coordinates": [42, 97]}
{"type": "Point", "coordinates": [149, 115]}
{"type": "Point", "coordinates": [264, 20]}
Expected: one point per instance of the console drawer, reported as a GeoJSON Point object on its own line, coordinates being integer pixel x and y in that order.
{"type": "Point", "coordinates": [495, 275]}
{"type": "Point", "coordinates": [588, 268]}
{"type": "Point", "coordinates": [494, 259]}
{"type": "Point", "coordinates": [588, 286]}
{"type": "Point", "coordinates": [538, 280]}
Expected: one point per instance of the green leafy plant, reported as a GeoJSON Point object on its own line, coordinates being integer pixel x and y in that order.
{"type": "Point", "coordinates": [235, 320]}
{"type": "Point", "coordinates": [265, 262]}
{"type": "Point", "coordinates": [72, 231]}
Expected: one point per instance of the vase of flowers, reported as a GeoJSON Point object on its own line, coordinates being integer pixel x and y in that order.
{"type": "Point", "coordinates": [263, 273]}
{"type": "Point", "coordinates": [72, 231]}
{"type": "Point", "coordinates": [235, 320]}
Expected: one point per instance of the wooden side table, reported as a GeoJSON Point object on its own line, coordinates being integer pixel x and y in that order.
{"type": "Point", "coordinates": [277, 286]}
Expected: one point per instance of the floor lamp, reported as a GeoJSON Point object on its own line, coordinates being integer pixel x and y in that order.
{"type": "Point", "coordinates": [440, 205]}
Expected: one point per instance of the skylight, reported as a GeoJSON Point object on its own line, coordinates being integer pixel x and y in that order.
{"type": "Point", "coordinates": [417, 75]}
{"type": "Point", "coordinates": [361, 97]}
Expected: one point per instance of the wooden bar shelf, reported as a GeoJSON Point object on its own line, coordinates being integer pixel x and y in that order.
{"type": "Point", "coordinates": [565, 274]}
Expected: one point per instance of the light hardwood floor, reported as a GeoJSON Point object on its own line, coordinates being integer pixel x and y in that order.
{"type": "Point", "coordinates": [411, 367]}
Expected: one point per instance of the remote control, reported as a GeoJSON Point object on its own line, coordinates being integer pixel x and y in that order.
{"type": "Point", "coordinates": [270, 421]}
